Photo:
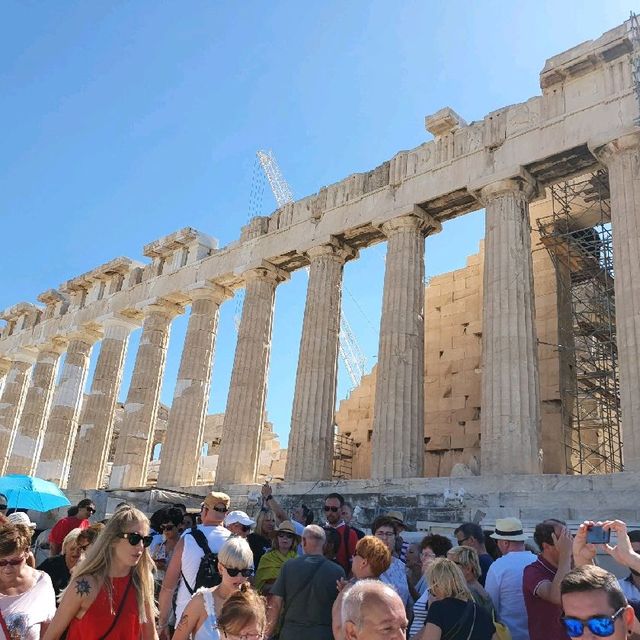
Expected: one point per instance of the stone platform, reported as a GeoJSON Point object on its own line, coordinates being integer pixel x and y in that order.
{"type": "Point", "coordinates": [437, 501]}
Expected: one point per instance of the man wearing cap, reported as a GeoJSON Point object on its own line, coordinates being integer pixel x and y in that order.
{"type": "Point", "coordinates": [185, 562]}
{"type": "Point", "coordinates": [239, 523]}
{"type": "Point", "coordinates": [504, 578]}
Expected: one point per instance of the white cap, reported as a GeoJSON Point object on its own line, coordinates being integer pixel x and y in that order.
{"type": "Point", "coordinates": [239, 517]}
{"type": "Point", "coordinates": [21, 518]}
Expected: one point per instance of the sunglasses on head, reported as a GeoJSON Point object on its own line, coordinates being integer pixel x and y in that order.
{"type": "Point", "coordinates": [601, 626]}
{"type": "Point", "coordinates": [246, 573]}
{"type": "Point", "coordinates": [11, 563]}
{"type": "Point", "coordinates": [136, 538]}
{"type": "Point", "coordinates": [332, 509]}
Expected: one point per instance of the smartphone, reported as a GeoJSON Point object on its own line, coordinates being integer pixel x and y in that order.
{"type": "Point", "coordinates": [598, 535]}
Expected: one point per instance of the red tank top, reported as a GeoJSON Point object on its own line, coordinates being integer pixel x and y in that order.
{"type": "Point", "coordinates": [98, 618]}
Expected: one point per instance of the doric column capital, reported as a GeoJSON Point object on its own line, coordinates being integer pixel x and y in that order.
{"type": "Point", "coordinates": [126, 323]}
{"type": "Point", "coordinates": [52, 348]}
{"type": "Point", "coordinates": [161, 306]}
{"type": "Point", "coordinates": [522, 183]}
{"type": "Point", "coordinates": [27, 355]}
{"type": "Point", "coordinates": [416, 219]}
{"type": "Point", "coordinates": [5, 365]}
{"type": "Point", "coordinates": [339, 251]}
{"type": "Point", "coordinates": [209, 290]}
{"type": "Point", "coordinates": [267, 271]}
{"type": "Point", "coordinates": [605, 152]}
{"type": "Point", "coordinates": [87, 333]}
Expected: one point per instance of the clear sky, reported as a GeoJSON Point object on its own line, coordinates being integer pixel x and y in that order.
{"type": "Point", "coordinates": [125, 121]}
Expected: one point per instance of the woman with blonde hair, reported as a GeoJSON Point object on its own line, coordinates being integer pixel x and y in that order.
{"type": "Point", "coordinates": [283, 548]}
{"type": "Point", "coordinates": [201, 617]}
{"type": "Point", "coordinates": [452, 612]}
{"type": "Point", "coordinates": [111, 590]}
{"type": "Point", "coordinates": [469, 562]}
{"type": "Point", "coordinates": [243, 615]}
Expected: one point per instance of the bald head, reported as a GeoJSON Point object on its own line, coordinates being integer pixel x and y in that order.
{"type": "Point", "coordinates": [313, 539]}
{"type": "Point", "coordinates": [372, 610]}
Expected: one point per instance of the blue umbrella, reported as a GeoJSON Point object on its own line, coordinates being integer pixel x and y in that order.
{"type": "Point", "coordinates": [27, 492]}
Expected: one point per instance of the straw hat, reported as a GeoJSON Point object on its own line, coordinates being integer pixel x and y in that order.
{"type": "Point", "coordinates": [21, 518]}
{"type": "Point", "coordinates": [509, 529]}
{"type": "Point", "coordinates": [285, 526]}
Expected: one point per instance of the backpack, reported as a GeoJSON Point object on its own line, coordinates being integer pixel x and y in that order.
{"type": "Point", "coordinates": [208, 575]}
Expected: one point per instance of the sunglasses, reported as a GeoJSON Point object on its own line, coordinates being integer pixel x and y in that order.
{"type": "Point", "coordinates": [167, 527]}
{"type": "Point", "coordinates": [136, 538]}
{"type": "Point", "coordinates": [12, 563]}
{"type": "Point", "coordinates": [246, 573]}
{"type": "Point", "coordinates": [332, 509]}
{"type": "Point", "coordinates": [601, 626]}
{"type": "Point", "coordinates": [91, 510]}
{"type": "Point", "coordinates": [220, 509]}
{"type": "Point", "coordinates": [283, 534]}
{"type": "Point", "coordinates": [3, 507]}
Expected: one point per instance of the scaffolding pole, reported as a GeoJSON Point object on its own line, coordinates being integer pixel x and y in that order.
{"type": "Point", "coordinates": [578, 238]}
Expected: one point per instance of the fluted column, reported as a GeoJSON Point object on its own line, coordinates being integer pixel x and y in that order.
{"type": "Point", "coordinates": [141, 408]}
{"type": "Point", "coordinates": [244, 415]}
{"type": "Point", "coordinates": [25, 452]}
{"type": "Point", "coordinates": [12, 400]}
{"type": "Point", "coordinates": [185, 428]}
{"type": "Point", "coordinates": [622, 158]}
{"type": "Point", "coordinates": [91, 452]}
{"type": "Point", "coordinates": [5, 365]}
{"type": "Point", "coordinates": [310, 450]}
{"type": "Point", "coordinates": [398, 419]}
{"type": "Point", "coordinates": [62, 427]}
{"type": "Point", "coordinates": [510, 418]}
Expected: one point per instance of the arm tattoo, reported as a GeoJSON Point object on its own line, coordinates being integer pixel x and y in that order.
{"type": "Point", "coordinates": [184, 622]}
{"type": "Point", "coordinates": [83, 588]}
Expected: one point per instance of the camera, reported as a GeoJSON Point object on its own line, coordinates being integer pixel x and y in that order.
{"type": "Point", "coordinates": [598, 535]}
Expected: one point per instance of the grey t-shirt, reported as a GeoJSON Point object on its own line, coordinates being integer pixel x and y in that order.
{"type": "Point", "coordinates": [308, 587]}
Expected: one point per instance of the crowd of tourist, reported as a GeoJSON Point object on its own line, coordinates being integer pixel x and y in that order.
{"type": "Point", "coordinates": [221, 574]}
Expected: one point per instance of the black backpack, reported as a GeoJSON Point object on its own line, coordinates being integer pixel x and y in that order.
{"type": "Point", "coordinates": [208, 575]}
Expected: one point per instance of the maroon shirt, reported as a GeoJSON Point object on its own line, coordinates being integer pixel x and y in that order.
{"type": "Point", "coordinates": [543, 616]}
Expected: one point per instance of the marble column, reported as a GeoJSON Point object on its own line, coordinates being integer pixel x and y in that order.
{"type": "Point", "coordinates": [510, 418]}
{"type": "Point", "coordinates": [90, 456]}
{"type": "Point", "coordinates": [133, 449]}
{"type": "Point", "coordinates": [62, 427]}
{"type": "Point", "coordinates": [12, 400]}
{"type": "Point", "coordinates": [185, 429]}
{"type": "Point", "coordinates": [398, 419]}
{"type": "Point", "coordinates": [244, 415]}
{"type": "Point", "coordinates": [622, 158]}
{"type": "Point", "coordinates": [310, 451]}
{"type": "Point", "coordinates": [5, 365]}
{"type": "Point", "coordinates": [25, 452]}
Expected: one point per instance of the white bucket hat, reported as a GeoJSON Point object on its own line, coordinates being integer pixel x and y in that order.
{"type": "Point", "coordinates": [19, 517]}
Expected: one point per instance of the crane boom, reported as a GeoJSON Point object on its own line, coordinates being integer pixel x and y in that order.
{"type": "Point", "coordinates": [281, 190]}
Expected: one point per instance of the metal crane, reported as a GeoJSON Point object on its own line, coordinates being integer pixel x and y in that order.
{"type": "Point", "coordinates": [354, 359]}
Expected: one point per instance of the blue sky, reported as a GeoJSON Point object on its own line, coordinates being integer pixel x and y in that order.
{"type": "Point", "coordinates": [125, 121]}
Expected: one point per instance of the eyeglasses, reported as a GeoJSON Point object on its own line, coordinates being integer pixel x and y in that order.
{"type": "Point", "coordinates": [427, 554]}
{"type": "Point", "coordinates": [385, 534]}
{"type": "Point", "coordinates": [244, 636]}
{"type": "Point", "coordinates": [461, 542]}
{"type": "Point", "coordinates": [219, 509]}
{"type": "Point", "coordinates": [135, 539]}
{"type": "Point", "coordinates": [284, 534]}
{"type": "Point", "coordinates": [12, 563]}
{"type": "Point", "coordinates": [246, 573]}
{"type": "Point", "coordinates": [167, 527]}
{"type": "Point", "coordinates": [601, 626]}
{"type": "Point", "coordinates": [332, 509]}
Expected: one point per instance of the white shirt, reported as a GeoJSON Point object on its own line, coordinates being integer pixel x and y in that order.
{"type": "Point", "coordinates": [191, 556]}
{"type": "Point", "coordinates": [25, 612]}
{"type": "Point", "coordinates": [504, 585]}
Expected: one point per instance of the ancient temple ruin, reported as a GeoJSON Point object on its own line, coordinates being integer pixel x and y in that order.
{"type": "Point", "coordinates": [499, 391]}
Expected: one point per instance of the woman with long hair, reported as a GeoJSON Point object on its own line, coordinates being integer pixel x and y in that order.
{"type": "Point", "coordinates": [243, 615]}
{"type": "Point", "coordinates": [201, 617]}
{"type": "Point", "coordinates": [111, 590]}
{"type": "Point", "coordinates": [283, 548]}
{"type": "Point", "coordinates": [469, 562]}
{"type": "Point", "coordinates": [452, 613]}
{"type": "Point", "coordinates": [27, 600]}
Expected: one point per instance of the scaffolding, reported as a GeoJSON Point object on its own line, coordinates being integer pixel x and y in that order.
{"type": "Point", "coordinates": [578, 238]}
{"type": "Point", "coordinates": [343, 447]}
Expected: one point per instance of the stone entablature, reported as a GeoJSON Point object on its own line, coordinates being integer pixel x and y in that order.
{"type": "Point", "coordinates": [587, 107]}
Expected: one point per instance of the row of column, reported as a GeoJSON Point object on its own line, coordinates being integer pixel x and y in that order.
{"type": "Point", "coordinates": [55, 435]}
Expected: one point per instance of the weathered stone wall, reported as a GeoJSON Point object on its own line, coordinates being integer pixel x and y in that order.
{"type": "Point", "coordinates": [453, 370]}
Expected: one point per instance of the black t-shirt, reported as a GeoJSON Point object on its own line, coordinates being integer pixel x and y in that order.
{"type": "Point", "coordinates": [259, 546]}
{"type": "Point", "coordinates": [58, 571]}
{"type": "Point", "coordinates": [308, 587]}
{"type": "Point", "coordinates": [451, 613]}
